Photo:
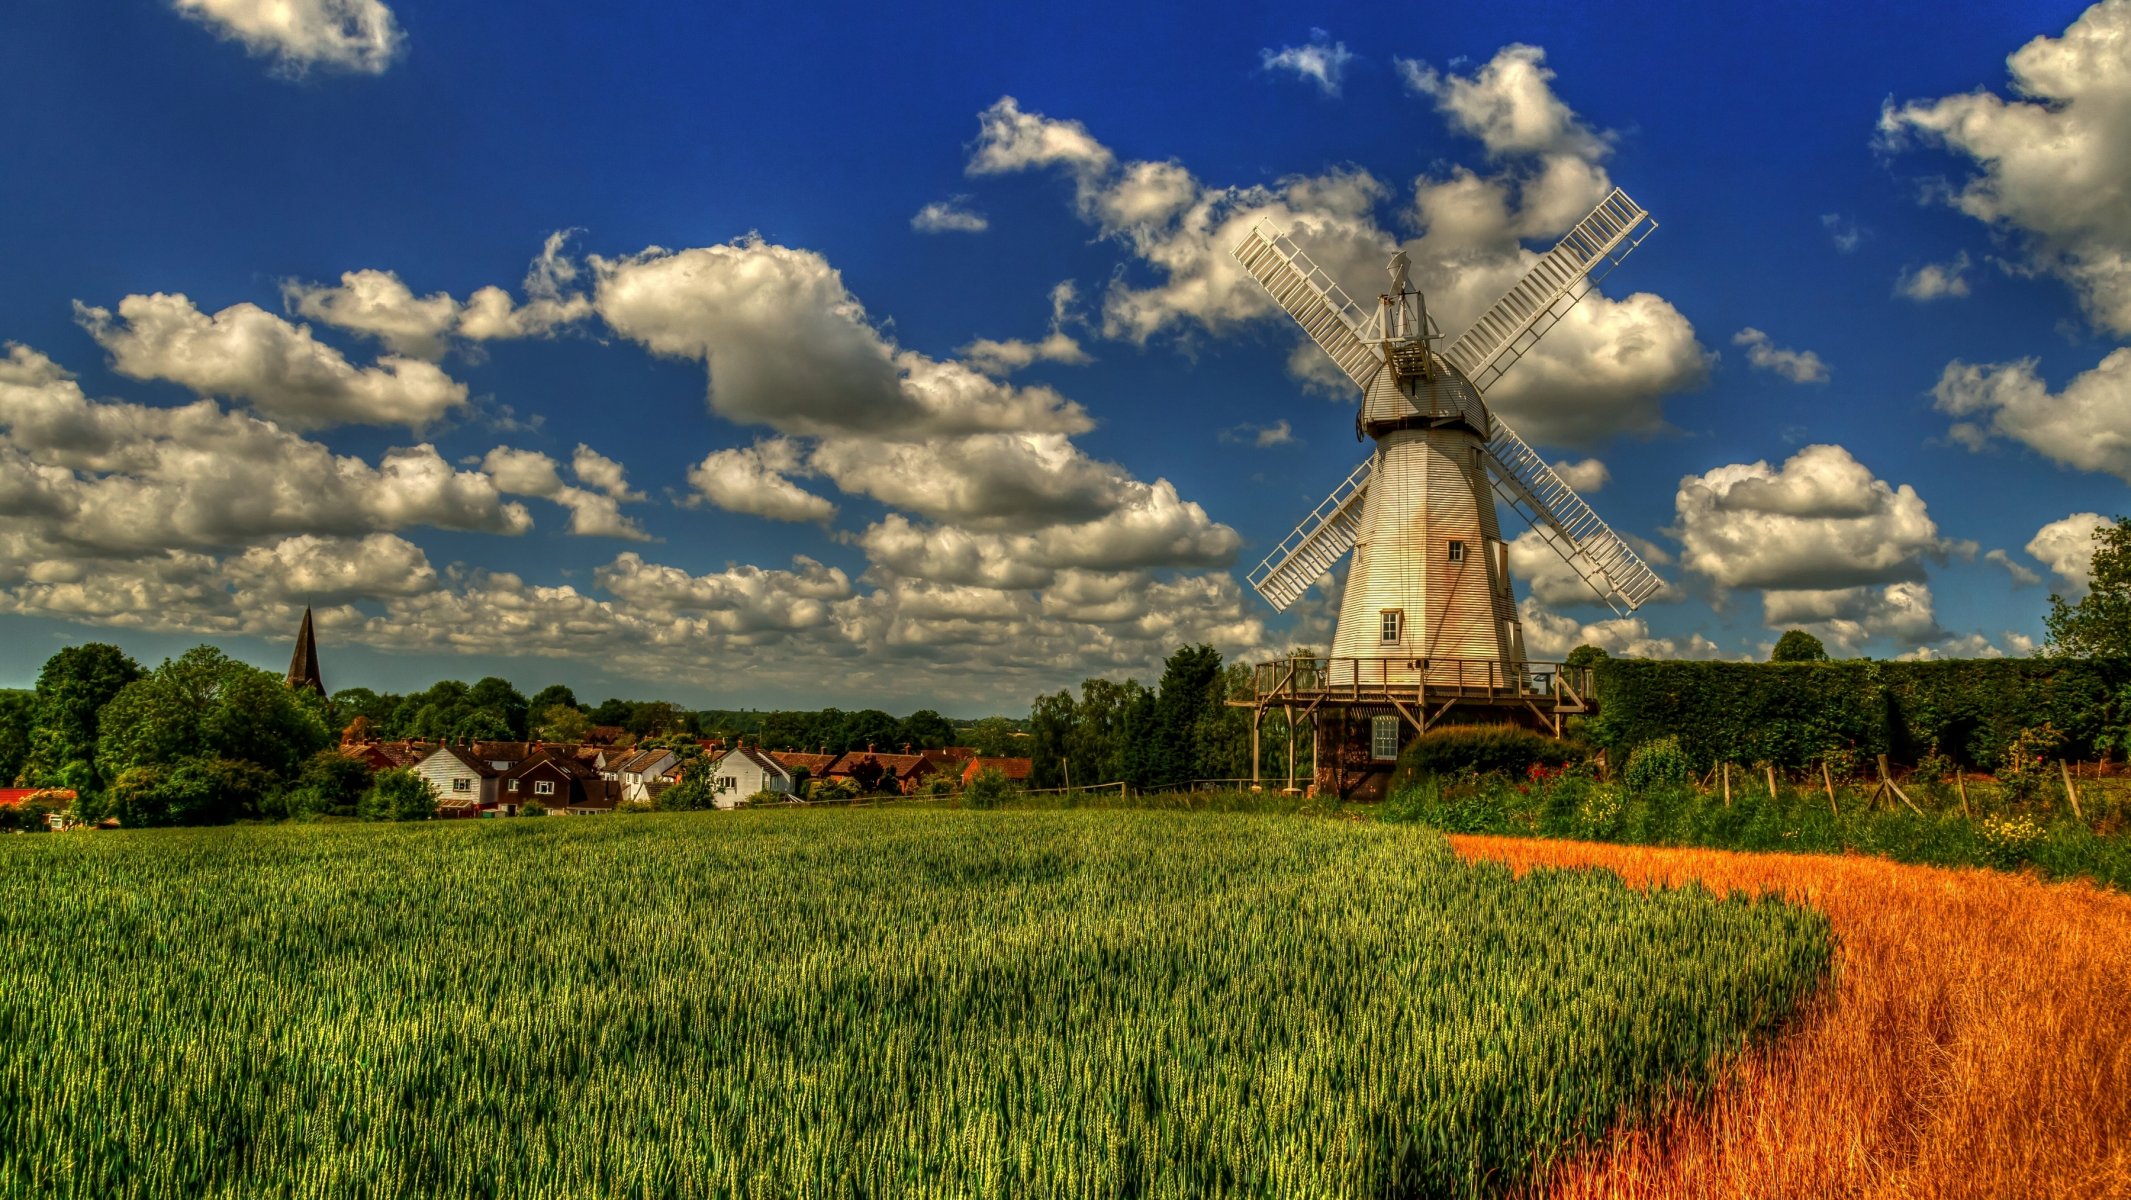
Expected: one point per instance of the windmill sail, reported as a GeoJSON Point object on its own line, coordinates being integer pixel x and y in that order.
{"type": "Point", "coordinates": [1301, 287]}
{"type": "Point", "coordinates": [1564, 522]}
{"type": "Point", "coordinates": [1306, 554]}
{"type": "Point", "coordinates": [1561, 277]}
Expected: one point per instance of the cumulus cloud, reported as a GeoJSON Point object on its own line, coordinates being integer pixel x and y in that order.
{"type": "Point", "coordinates": [1934, 281]}
{"type": "Point", "coordinates": [593, 513]}
{"type": "Point", "coordinates": [1264, 437]}
{"type": "Point", "coordinates": [2087, 425]}
{"type": "Point", "coordinates": [1846, 234]}
{"type": "Point", "coordinates": [1320, 60]}
{"type": "Point", "coordinates": [1548, 578]}
{"type": "Point", "coordinates": [106, 478]}
{"type": "Point", "coordinates": [1004, 356]}
{"type": "Point", "coordinates": [2066, 547]}
{"type": "Point", "coordinates": [1150, 527]}
{"type": "Point", "coordinates": [1820, 522]}
{"type": "Point", "coordinates": [308, 569]}
{"type": "Point", "coordinates": [2052, 165]}
{"type": "Point", "coordinates": [1586, 476]}
{"type": "Point", "coordinates": [949, 216]}
{"type": "Point", "coordinates": [1549, 636]}
{"type": "Point", "coordinates": [756, 479]}
{"type": "Point", "coordinates": [353, 35]}
{"type": "Point", "coordinates": [2022, 576]}
{"type": "Point", "coordinates": [1798, 366]}
{"type": "Point", "coordinates": [1605, 369]}
{"type": "Point", "coordinates": [247, 353]}
{"type": "Point", "coordinates": [378, 304]}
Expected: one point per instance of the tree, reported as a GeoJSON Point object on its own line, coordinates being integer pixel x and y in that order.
{"type": "Point", "coordinates": [1797, 646]}
{"type": "Point", "coordinates": [1586, 655]}
{"type": "Point", "coordinates": [499, 697]}
{"type": "Point", "coordinates": [482, 725]}
{"type": "Point", "coordinates": [562, 723]}
{"type": "Point", "coordinates": [398, 795]}
{"type": "Point", "coordinates": [868, 729]}
{"type": "Point", "coordinates": [204, 704]}
{"type": "Point", "coordinates": [1051, 723]}
{"type": "Point", "coordinates": [195, 791]}
{"type": "Point", "coordinates": [993, 737]}
{"type": "Point", "coordinates": [692, 794]}
{"type": "Point", "coordinates": [551, 695]}
{"type": "Point", "coordinates": [2099, 624]}
{"type": "Point", "coordinates": [331, 784]}
{"type": "Point", "coordinates": [613, 712]}
{"type": "Point", "coordinates": [1191, 682]}
{"type": "Point", "coordinates": [18, 718]}
{"type": "Point", "coordinates": [72, 690]}
{"type": "Point", "coordinates": [925, 729]}
{"type": "Point", "coordinates": [350, 703]}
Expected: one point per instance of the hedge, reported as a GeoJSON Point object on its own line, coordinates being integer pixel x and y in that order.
{"type": "Point", "coordinates": [1791, 714]}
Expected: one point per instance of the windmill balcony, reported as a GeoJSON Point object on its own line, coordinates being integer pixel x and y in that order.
{"type": "Point", "coordinates": [1403, 680]}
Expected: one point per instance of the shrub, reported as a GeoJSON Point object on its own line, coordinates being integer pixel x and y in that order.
{"type": "Point", "coordinates": [766, 796]}
{"type": "Point", "coordinates": [989, 789]}
{"type": "Point", "coordinates": [692, 794]}
{"type": "Point", "coordinates": [398, 795]}
{"type": "Point", "coordinates": [1486, 749]}
{"type": "Point", "coordinates": [1657, 764]}
{"type": "Point", "coordinates": [533, 808]}
{"type": "Point", "coordinates": [194, 791]}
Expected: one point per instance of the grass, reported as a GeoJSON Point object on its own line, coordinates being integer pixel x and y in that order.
{"type": "Point", "coordinates": [871, 1002]}
{"type": "Point", "coordinates": [1972, 1047]}
{"type": "Point", "coordinates": [1999, 830]}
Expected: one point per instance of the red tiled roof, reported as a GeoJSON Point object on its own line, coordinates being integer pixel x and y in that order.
{"type": "Point", "coordinates": [813, 764]}
{"type": "Point", "coordinates": [9, 797]}
{"type": "Point", "coordinates": [1016, 769]}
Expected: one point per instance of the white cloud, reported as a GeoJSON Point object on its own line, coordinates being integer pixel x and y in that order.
{"type": "Point", "coordinates": [949, 216]}
{"type": "Point", "coordinates": [1846, 618]}
{"type": "Point", "coordinates": [354, 35]}
{"type": "Point", "coordinates": [2087, 425]}
{"type": "Point", "coordinates": [1264, 437]}
{"type": "Point", "coordinates": [2022, 576]}
{"type": "Point", "coordinates": [100, 478]}
{"type": "Point", "coordinates": [1605, 369]}
{"type": "Point", "coordinates": [378, 304]}
{"type": "Point", "coordinates": [246, 353]}
{"type": "Point", "coordinates": [1846, 234]}
{"type": "Point", "coordinates": [1798, 366]}
{"type": "Point", "coordinates": [308, 569]}
{"type": "Point", "coordinates": [1320, 60]}
{"type": "Point", "coordinates": [592, 513]}
{"type": "Point", "coordinates": [753, 479]}
{"type": "Point", "coordinates": [1151, 527]}
{"type": "Point", "coordinates": [1935, 281]}
{"type": "Point", "coordinates": [2053, 165]}
{"type": "Point", "coordinates": [1587, 476]}
{"type": "Point", "coordinates": [1821, 521]}
{"type": "Point", "coordinates": [1004, 357]}
{"type": "Point", "coordinates": [1549, 636]}
{"type": "Point", "coordinates": [2066, 547]}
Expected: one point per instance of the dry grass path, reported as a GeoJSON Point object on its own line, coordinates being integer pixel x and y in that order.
{"type": "Point", "coordinates": [1976, 1042]}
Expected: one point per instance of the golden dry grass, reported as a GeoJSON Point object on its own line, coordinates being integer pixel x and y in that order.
{"type": "Point", "coordinates": [1976, 1041]}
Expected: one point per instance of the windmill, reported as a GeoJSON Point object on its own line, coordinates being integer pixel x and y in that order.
{"type": "Point", "coordinates": [1429, 616]}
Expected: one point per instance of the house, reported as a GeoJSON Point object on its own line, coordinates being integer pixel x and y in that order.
{"type": "Point", "coordinates": [744, 770]}
{"type": "Point", "coordinates": [57, 800]}
{"type": "Point", "coordinates": [636, 770]}
{"type": "Point", "coordinates": [871, 771]}
{"type": "Point", "coordinates": [1016, 770]}
{"type": "Point", "coordinates": [461, 779]}
{"type": "Point", "coordinates": [947, 756]}
{"type": "Point", "coordinates": [794, 762]}
{"type": "Point", "coordinates": [559, 785]}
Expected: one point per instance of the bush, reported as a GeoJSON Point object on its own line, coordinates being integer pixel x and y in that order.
{"type": "Point", "coordinates": [194, 791]}
{"type": "Point", "coordinates": [332, 784]}
{"type": "Point", "coordinates": [398, 795]}
{"type": "Point", "coordinates": [989, 789]}
{"type": "Point", "coordinates": [533, 808]}
{"type": "Point", "coordinates": [692, 794]}
{"type": "Point", "coordinates": [1658, 764]}
{"type": "Point", "coordinates": [1486, 749]}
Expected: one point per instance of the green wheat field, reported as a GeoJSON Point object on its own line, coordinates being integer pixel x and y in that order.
{"type": "Point", "coordinates": [858, 1003]}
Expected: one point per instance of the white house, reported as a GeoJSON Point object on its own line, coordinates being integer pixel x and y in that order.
{"type": "Point", "coordinates": [636, 772]}
{"type": "Point", "coordinates": [458, 777]}
{"type": "Point", "coordinates": [742, 771]}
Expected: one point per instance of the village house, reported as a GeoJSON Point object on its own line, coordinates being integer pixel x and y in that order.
{"type": "Point", "coordinates": [872, 771]}
{"type": "Point", "coordinates": [799, 763]}
{"type": "Point", "coordinates": [636, 771]}
{"type": "Point", "coordinates": [56, 800]}
{"type": "Point", "coordinates": [1016, 770]}
{"type": "Point", "coordinates": [745, 770]}
{"type": "Point", "coordinates": [559, 785]}
{"type": "Point", "coordinates": [464, 783]}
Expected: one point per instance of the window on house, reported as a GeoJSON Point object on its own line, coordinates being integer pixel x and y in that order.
{"type": "Point", "coordinates": [1394, 624]}
{"type": "Point", "coordinates": [728, 784]}
{"type": "Point", "coordinates": [543, 787]}
{"type": "Point", "coordinates": [462, 784]}
{"type": "Point", "coordinates": [1383, 738]}
{"type": "Point", "coordinates": [1457, 552]}
{"type": "Point", "coordinates": [513, 785]}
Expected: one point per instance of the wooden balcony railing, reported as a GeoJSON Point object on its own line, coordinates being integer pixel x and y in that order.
{"type": "Point", "coordinates": [1305, 679]}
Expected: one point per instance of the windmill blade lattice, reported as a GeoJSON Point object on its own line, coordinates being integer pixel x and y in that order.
{"type": "Point", "coordinates": [1305, 555]}
{"type": "Point", "coordinates": [1306, 293]}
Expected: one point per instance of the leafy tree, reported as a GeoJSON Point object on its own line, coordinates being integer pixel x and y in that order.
{"type": "Point", "coordinates": [482, 725]}
{"type": "Point", "coordinates": [790, 731]}
{"type": "Point", "coordinates": [1796, 646]}
{"type": "Point", "coordinates": [432, 714]}
{"type": "Point", "coordinates": [1220, 738]}
{"type": "Point", "coordinates": [2099, 625]}
{"type": "Point", "coordinates": [1191, 685]}
{"type": "Point", "coordinates": [72, 690]}
{"type": "Point", "coordinates": [1586, 655]}
{"type": "Point", "coordinates": [562, 723]}
{"type": "Point", "coordinates": [551, 695]}
{"type": "Point", "coordinates": [868, 728]}
{"type": "Point", "coordinates": [613, 712]}
{"type": "Point", "coordinates": [988, 789]}
{"type": "Point", "coordinates": [331, 783]}
{"type": "Point", "coordinates": [203, 790]}
{"type": "Point", "coordinates": [204, 704]}
{"type": "Point", "coordinates": [499, 697]}
{"type": "Point", "coordinates": [925, 729]}
{"type": "Point", "coordinates": [692, 794]}
{"type": "Point", "coordinates": [993, 737]}
{"type": "Point", "coordinates": [18, 718]}
{"type": "Point", "coordinates": [398, 795]}
{"type": "Point", "coordinates": [350, 703]}
{"type": "Point", "coordinates": [1051, 724]}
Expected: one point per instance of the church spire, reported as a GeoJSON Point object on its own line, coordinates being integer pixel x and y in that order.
{"type": "Point", "coordinates": [303, 665]}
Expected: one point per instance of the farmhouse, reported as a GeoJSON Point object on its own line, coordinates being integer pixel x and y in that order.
{"type": "Point", "coordinates": [745, 770]}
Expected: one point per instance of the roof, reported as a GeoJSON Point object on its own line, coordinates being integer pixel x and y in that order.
{"type": "Point", "coordinates": [466, 758]}
{"type": "Point", "coordinates": [767, 762]}
{"type": "Point", "coordinates": [9, 797]}
{"type": "Point", "coordinates": [895, 766]}
{"type": "Point", "coordinates": [812, 764]}
{"type": "Point", "coordinates": [504, 751]}
{"type": "Point", "coordinates": [303, 664]}
{"type": "Point", "coordinates": [950, 754]}
{"type": "Point", "coordinates": [604, 735]}
{"type": "Point", "coordinates": [1016, 769]}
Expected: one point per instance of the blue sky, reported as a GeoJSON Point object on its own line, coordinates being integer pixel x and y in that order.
{"type": "Point", "coordinates": [904, 355]}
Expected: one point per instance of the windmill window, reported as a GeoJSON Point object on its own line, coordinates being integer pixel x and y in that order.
{"type": "Point", "coordinates": [1457, 552]}
{"type": "Point", "coordinates": [1394, 624]}
{"type": "Point", "coordinates": [1383, 738]}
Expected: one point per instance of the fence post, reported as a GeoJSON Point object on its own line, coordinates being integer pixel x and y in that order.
{"type": "Point", "coordinates": [1771, 768]}
{"type": "Point", "coordinates": [2070, 792]}
{"type": "Point", "coordinates": [1725, 770]}
{"type": "Point", "coordinates": [1960, 786]}
{"type": "Point", "coordinates": [1828, 780]}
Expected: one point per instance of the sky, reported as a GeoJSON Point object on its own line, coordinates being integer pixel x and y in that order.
{"type": "Point", "coordinates": [764, 355]}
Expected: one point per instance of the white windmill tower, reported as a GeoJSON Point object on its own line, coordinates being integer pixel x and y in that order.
{"type": "Point", "coordinates": [1429, 619]}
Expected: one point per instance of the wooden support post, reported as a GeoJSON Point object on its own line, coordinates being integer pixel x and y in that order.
{"type": "Point", "coordinates": [2070, 791]}
{"type": "Point", "coordinates": [1887, 778]}
{"type": "Point", "coordinates": [1257, 717]}
{"type": "Point", "coordinates": [1828, 780]}
{"type": "Point", "coordinates": [1290, 716]}
{"type": "Point", "coordinates": [1724, 769]}
{"type": "Point", "coordinates": [1960, 786]}
{"type": "Point", "coordinates": [1771, 768]}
